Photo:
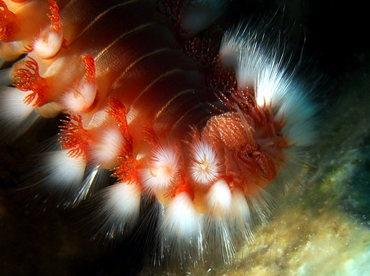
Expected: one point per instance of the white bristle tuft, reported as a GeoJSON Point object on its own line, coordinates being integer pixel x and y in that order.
{"type": "Point", "coordinates": [120, 209]}
{"type": "Point", "coordinates": [13, 108]}
{"type": "Point", "coordinates": [271, 85]}
{"type": "Point", "coordinates": [219, 198]}
{"type": "Point", "coordinates": [181, 230]}
{"type": "Point", "coordinates": [63, 173]}
{"type": "Point", "coordinates": [162, 170]}
{"type": "Point", "coordinates": [80, 98]}
{"type": "Point", "coordinates": [230, 49]}
{"type": "Point", "coordinates": [205, 166]}
{"type": "Point", "coordinates": [298, 112]}
{"type": "Point", "coordinates": [261, 205]}
{"type": "Point", "coordinates": [254, 66]}
{"type": "Point", "coordinates": [94, 179]}
{"type": "Point", "coordinates": [239, 208]}
{"type": "Point", "coordinates": [181, 219]}
{"type": "Point", "coordinates": [107, 148]}
{"type": "Point", "coordinates": [264, 70]}
{"type": "Point", "coordinates": [219, 238]}
{"type": "Point", "coordinates": [15, 115]}
{"type": "Point", "coordinates": [239, 219]}
{"type": "Point", "coordinates": [48, 44]}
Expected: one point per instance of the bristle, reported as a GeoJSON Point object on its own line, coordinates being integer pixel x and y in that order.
{"type": "Point", "coordinates": [261, 206]}
{"type": "Point", "coordinates": [219, 198]}
{"type": "Point", "coordinates": [220, 244]}
{"type": "Point", "coordinates": [50, 40]}
{"type": "Point", "coordinates": [254, 66]}
{"type": "Point", "coordinates": [82, 95]}
{"type": "Point", "coordinates": [62, 173]}
{"type": "Point", "coordinates": [161, 171]}
{"type": "Point", "coordinates": [240, 215]}
{"type": "Point", "coordinates": [80, 98]}
{"type": "Point", "coordinates": [299, 113]}
{"type": "Point", "coordinates": [205, 166]}
{"type": "Point", "coordinates": [48, 44]}
{"type": "Point", "coordinates": [95, 178]}
{"type": "Point", "coordinates": [240, 50]}
{"type": "Point", "coordinates": [271, 85]}
{"type": "Point", "coordinates": [181, 219]}
{"type": "Point", "coordinates": [107, 147]}
{"type": "Point", "coordinates": [15, 115]}
{"type": "Point", "coordinates": [274, 85]}
{"type": "Point", "coordinates": [13, 107]}
{"type": "Point", "coordinates": [119, 209]}
{"type": "Point", "coordinates": [181, 230]}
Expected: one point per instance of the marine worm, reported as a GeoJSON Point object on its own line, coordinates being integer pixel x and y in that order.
{"type": "Point", "coordinates": [202, 125]}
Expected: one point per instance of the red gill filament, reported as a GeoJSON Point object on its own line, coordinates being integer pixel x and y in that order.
{"type": "Point", "coordinates": [74, 137]}
{"type": "Point", "coordinates": [29, 79]}
{"type": "Point", "coordinates": [54, 16]}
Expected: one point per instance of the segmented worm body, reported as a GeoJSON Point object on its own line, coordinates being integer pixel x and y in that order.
{"type": "Point", "coordinates": [203, 131]}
